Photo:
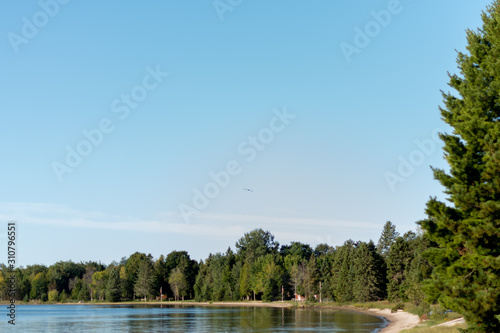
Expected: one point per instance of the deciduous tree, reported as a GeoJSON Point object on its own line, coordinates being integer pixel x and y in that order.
{"type": "Point", "coordinates": [177, 281]}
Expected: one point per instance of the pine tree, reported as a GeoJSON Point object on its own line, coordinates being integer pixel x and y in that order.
{"type": "Point", "coordinates": [418, 270]}
{"type": "Point", "coordinates": [387, 238]}
{"type": "Point", "coordinates": [466, 276]}
{"type": "Point", "coordinates": [369, 281]}
{"type": "Point", "coordinates": [113, 290]}
{"type": "Point", "coordinates": [145, 279]}
{"type": "Point", "coordinates": [344, 273]}
{"type": "Point", "coordinates": [398, 260]}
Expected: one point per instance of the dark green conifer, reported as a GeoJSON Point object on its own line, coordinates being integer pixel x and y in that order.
{"type": "Point", "coordinates": [387, 238]}
{"type": "Point", "coordinates": [466, 276]}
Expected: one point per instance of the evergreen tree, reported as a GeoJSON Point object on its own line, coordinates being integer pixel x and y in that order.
{"type": "Point", "coordinates": [325, 263]}
{"type": "Point", "coordinates": [398, 259]}
{"type": "Point", "coordinates": [160, 272]}
{"type": "Point", "coordinates": [84, 293]}
{"type": "Point", "coordinates": [113, 288]}
{"type": "Point", "coordinates": [466, 276]}
{"type": "Point", "coordinates": [369, 281]}
{"type": "Point", "coordinates": [145, 279]}
{"type": "Point", "coordinates": [387, 238]}
{"type": "Point", "coordinates": [418, 270]}
{"type": "Point", "coordinates": [344, 274]}
{"type": "Point", "coordinates": [131, 273]}
{"type": "Point", "coordinates": [235, 277]}
{"type": "Point", "coordinates": [228, 279]}
{"type": "Point", "coordinates": [201, 291]}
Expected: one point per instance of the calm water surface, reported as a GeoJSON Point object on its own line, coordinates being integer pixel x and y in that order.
{"type": "Point", "coordinates": [143, 318]}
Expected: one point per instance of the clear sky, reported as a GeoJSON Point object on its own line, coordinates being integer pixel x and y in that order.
{"type": "Point", "coordinates": [117, 116]}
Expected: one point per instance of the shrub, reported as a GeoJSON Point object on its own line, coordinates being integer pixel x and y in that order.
{"type": "Point", "coordinates": [398, 306]}
{"type": "Point", "coordinates": [53, 296]}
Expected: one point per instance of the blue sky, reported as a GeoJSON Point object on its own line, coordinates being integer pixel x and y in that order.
{"type": "Point", "coordinates": [262, 94]}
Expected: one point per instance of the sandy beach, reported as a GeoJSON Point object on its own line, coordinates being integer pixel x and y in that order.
{"type": "Point", "coordinates": [398, 321]}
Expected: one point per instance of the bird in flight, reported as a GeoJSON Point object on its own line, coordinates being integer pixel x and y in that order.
{"type": "Point", "coordinates": [247, 189]}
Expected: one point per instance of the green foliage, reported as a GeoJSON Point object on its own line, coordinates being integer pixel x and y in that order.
{"type": "Point", "coordinates": [244, 281]}
{"type": "Point", "coordinates": [399, 257]}
{"type": "Point", "coordinates": [113, 290]}
{"type": "Point", "coordinates": [323, 250]}
{"type": "Point", "coordinates": [343, 272]}
{"type": "Point", "coordinates": [399, 306]}
{"type": "Point", "coordinates": [387, 239]}
{"type": "Point", "coordinates": [188, 267]}
{"type": "Point", "coordinates": [369, 272]}
{"type": "Point", "coordinates": [256, 243]}
{"type": "Point", "coordinates": [98, 285]}
{"type": "Point", "coordinates": [53, 296]}
{"type": "Point", "coordinates": [201, 286]}
{"type": "Point", "coordinates": [143, 286]}
{"type": "Point", "coordinates": [418, 271]}
{"type": "Point", "coordinates": [84, 292]}
{"type": "Point", "coordinates": [63, 298]}
{"type": "Point", "coordinates": [304, 251]}
{"type": "Point", "coordinates": [177, 281]}
{"type": "Point", "coordinates": [353, 271]}
{"type": "Point", "coordinates": [39, 286]}
{"type": "Point", "coordinates": [466, 277]}
{"type": "Point", "coordinates": [271, 277]}
{"type": "Point", "coordinates": [61, 272]}
{"type": "Point", "coordinates": [3, 286]}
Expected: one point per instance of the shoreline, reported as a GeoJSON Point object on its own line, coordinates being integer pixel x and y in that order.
{"type": "Point", "coordinates": [395, 321]}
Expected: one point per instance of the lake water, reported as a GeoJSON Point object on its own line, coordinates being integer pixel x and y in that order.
{"type": "Point", "coordinates": [144, 318]}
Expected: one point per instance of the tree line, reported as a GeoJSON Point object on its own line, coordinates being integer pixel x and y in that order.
{"type": "Point", "coordinates": [455, 260]}
{"type": "Point", "coordinates": [260, 269]}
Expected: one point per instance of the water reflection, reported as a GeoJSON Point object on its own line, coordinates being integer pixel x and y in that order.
{"type": "Point", "coordinates": [143, 318]}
